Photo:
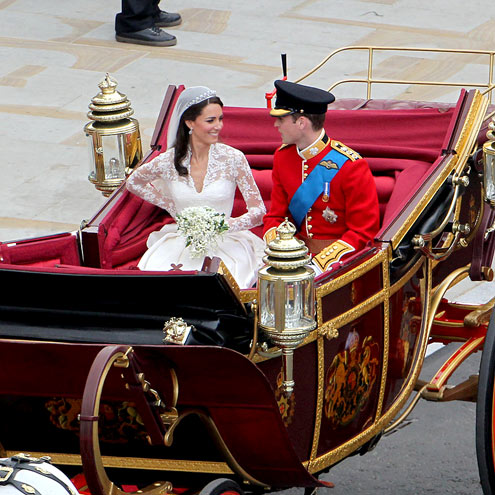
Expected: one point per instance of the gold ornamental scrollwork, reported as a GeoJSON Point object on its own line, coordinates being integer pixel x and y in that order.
{"type": "Point", "coordinates": [329, 331]}
{"type": "Point", "coordinates": [176, 465]}
{"type": "Point", "coordinates": [176, 331]}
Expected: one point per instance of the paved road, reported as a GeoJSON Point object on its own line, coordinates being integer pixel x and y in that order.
{"type": "Point", "coordinates": [434, 454]}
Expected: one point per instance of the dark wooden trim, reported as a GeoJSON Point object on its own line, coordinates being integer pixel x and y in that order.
{"type": "Point", "coordinates": [163, 116]}
{"type": "Point", "coordinates": [89, 246]}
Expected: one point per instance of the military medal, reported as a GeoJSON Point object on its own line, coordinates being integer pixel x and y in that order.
{"type": "Point", "coordinates": [326, 192]}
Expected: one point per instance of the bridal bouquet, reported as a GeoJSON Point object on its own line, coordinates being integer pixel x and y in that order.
{"type": "Point", "coordinates": [201, 226]}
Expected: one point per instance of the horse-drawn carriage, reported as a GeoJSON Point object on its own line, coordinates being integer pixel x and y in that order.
{"type": "Point", "coordinates": [88, 380]}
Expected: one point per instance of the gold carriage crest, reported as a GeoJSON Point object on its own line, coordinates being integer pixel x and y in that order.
{"type": "Point", "coordinates": [118, 421]}
{"type": "Point", "coordinates": [350, 379]}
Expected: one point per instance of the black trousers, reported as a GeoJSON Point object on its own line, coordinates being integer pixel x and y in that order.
{"type": "Point", "coordinates": [136, 15]}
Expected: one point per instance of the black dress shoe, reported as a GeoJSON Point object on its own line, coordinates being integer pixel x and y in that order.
{"type": "Point", "coordinates": [153, 36]}
{"type": "Point", "coordinates": [167, 19]}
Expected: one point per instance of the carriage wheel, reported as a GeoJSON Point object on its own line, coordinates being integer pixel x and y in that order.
{"type": "Point", "coordinates": [221, 486]}
{"type": "Point", "coordinates": [485, 413]}
{"type": "Point", "coordinates": [94, 470]}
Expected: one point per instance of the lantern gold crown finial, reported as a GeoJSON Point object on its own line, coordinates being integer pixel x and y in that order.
{"type": "Point", "coordinates": [108, 84]}
{"type": "Point", "coordinates": [286, 252]}
{"type": "Point", "coordinates": [109, 105]}
{"type": "Point", "coordinates": [286, 230]}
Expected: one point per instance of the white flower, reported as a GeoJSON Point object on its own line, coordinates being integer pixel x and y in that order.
{"type": "Point", "coordinates": [201, 226]}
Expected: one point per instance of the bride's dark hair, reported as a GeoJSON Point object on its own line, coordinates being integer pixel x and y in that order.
{"type": "Point", "coordinates": [182, 138]}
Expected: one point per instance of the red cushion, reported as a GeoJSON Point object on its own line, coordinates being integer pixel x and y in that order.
{"type": "Point", "coordinates": [406, 181]}
{"type": "Point", "coordinates": [45, 251]}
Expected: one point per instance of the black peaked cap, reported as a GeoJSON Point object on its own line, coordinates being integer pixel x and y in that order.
{"type": "Point", "coordinates": [297, 98]}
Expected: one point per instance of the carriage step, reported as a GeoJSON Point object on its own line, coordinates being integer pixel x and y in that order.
{"type": "Point", "coordinates": [466, 390]}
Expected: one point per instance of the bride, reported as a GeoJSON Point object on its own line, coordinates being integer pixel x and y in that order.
{"type": "Point", "coordinates": [197, 170]}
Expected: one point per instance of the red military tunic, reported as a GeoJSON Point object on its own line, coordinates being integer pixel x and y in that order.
{"type": "Point", "coordinates": [351, 213]}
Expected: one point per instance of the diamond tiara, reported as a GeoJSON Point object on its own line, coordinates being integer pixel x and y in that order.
{"type": "Point", "coordinates": [202, 97]}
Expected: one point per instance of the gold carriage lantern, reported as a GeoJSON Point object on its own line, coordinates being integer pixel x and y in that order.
{"type": "Point", "coordinates": [489, 164]}
{"type": "Point", "coordinates": [113, 138]}
{"type": "Point", "coordinates": [286, 296]}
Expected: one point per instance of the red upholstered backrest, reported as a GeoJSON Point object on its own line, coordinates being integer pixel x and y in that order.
{"type": "Point", "coordinates": [400, 145]}
{"type": "Point", "coordinates": [43, 252]}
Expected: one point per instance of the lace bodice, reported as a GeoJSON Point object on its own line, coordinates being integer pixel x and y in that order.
{"type": "Point", "coordinates": [159, 183]}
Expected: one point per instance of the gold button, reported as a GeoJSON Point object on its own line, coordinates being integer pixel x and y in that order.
{"type": "Point", "coordinates": [305, 167]}
{"type": "Point", "coordinates": [305, 175]}
{"type": "Point", "coordinates": [310, 218]}
{"type": "Point", "coordinates": [310, 210]}
{"type": "Point", "coordinates": [310, 235]}
{"type": "Point", "coordinates": [310, 227]}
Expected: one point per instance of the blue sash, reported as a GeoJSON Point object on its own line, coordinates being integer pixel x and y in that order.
{"type": "Point", "coordinates": [309, 191]}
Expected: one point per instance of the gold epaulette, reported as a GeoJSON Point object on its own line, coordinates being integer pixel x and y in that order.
{"type": "Point", "coordinates": [332, 254]}
{"type": "Point", "coordinates": [345, 150]}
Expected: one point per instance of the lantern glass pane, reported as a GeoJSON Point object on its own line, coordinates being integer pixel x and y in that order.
{"type": "Point", "coordinates": [114, 156]}
{"type": "Point", "coordinates": [299, 304]}
{"type": "Point", "coordinates": [267, 303]}
{"type": "Point", "coordinates": [489, 170]}
{"type": "Point", "coordinates": [91, 157]}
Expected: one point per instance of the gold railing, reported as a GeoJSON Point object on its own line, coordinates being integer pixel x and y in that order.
{"type": "Point", "coordinates": [370, 80]}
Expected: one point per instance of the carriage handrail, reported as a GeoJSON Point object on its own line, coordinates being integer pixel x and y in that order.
{"type": "Point", "coordinates": [370, 80]}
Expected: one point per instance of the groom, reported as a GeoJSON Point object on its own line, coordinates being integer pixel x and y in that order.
{"type": "Point", "coordinates": [325, 188]}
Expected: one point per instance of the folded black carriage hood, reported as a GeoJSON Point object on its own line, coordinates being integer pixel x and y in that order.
{"type": "Point", "coordinates": [117, 307]}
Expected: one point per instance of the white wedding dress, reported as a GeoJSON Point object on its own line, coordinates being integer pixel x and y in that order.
{"type": "Point", "coordinates": [159, 183]}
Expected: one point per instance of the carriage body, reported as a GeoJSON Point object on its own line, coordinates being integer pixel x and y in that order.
{"type": "Point", "coordinates": [91, 381]}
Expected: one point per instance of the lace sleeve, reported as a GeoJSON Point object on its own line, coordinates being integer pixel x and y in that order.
{"type": "Point", "coordinates": [140, 182]}
{"type": "Point", "coordinates": [251, 194]}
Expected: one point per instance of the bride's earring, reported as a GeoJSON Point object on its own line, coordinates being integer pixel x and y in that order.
{"type": "Point", "coordinates": [190, 131]}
